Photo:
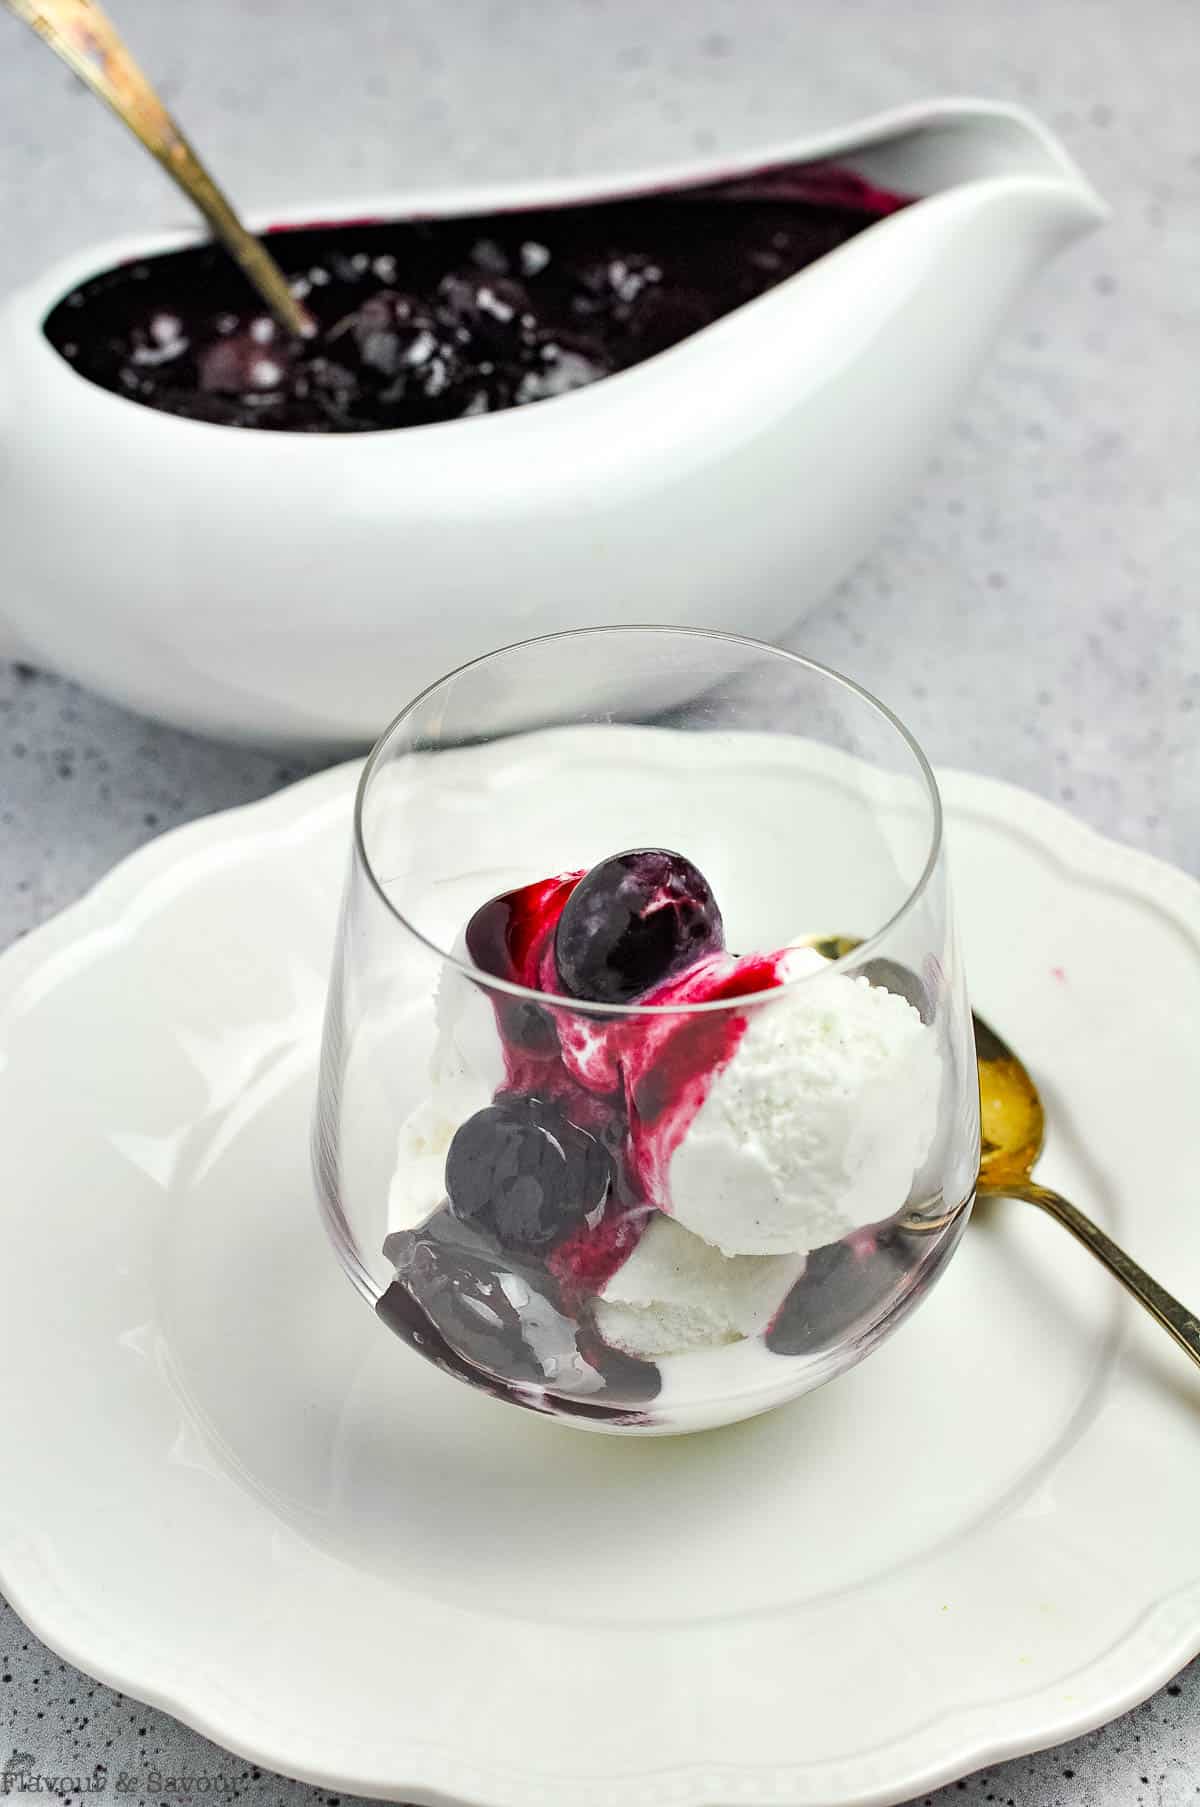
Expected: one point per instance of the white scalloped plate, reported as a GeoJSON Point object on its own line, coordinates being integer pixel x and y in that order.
{"type": "Point", "coordinates": [231, 1493]}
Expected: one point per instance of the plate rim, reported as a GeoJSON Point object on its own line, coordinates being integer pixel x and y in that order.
{"type": "Point", "coordinates": [950, 1743]}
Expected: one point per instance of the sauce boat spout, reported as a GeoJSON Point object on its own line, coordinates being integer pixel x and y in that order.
{"type": "Point", "coordinates": [965, 144]}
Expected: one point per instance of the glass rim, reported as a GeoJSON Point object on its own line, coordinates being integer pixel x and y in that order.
{"type": "Point", "coordinates": [589, 1006]}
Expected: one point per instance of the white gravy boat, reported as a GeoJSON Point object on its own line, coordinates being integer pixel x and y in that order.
{"type": "Point", "coordinates": [290, 588]}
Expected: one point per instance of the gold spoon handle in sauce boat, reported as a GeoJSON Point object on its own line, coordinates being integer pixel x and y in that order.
{"type": "Point", "coordinates": [81, 34]}
{"type": "Point", "coordinates": [1174, 1317]}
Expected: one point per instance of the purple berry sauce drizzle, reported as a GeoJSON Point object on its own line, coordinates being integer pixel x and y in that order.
{"type": "Point", "coordinates": [425, 321]}
{"type": "Point", "coordinates": [550, 1187]}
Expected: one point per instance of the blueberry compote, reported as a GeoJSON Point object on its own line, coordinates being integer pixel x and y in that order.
{"type": "Point", "coordinates": [544, 1198]}
{"type": "Point", "coordinates": [422, 321]}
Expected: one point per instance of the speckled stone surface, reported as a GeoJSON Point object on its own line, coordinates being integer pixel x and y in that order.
{"type": "Point", "coordinates": [1033, 615]}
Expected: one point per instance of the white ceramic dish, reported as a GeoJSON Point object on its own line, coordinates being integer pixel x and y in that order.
{"type": "Point", "coordinates": [285, 587]}
{"type": "Point", "coordinates": [237, 1497]}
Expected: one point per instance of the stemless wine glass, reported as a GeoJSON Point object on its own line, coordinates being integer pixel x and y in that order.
{"type": "Point", "coordinates": [665, 1146]}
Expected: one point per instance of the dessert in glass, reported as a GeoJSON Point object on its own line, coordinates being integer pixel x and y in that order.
{"type": "Point", "coordinates": [647, 1095]}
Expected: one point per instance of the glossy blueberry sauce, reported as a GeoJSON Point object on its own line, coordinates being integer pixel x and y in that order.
{"type": "Point", "coordinates": [422, 321]}
{"type": "Point", "coordinates": [636, 1082]}
{"type": "Point", "coordinates": [453, 1301]}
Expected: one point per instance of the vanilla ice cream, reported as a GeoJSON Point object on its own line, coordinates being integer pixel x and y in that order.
{"type": "Point", "coordinates": [815, 1125]}
{"type": "Point", "coordinates": [675, 1292]}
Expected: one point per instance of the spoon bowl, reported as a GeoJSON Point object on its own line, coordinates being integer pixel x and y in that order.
{"type": "Point", "coordinates": [1012, 1119]}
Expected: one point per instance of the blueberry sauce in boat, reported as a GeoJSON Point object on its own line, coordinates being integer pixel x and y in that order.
{"type": "Point", "coordinates": [422, 321]}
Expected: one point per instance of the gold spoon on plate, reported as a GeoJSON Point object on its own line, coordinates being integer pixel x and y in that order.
{"type": "Point", "coordinates": [1013, 1125]}
{"type": "Point", "coordinates": [88, 42]}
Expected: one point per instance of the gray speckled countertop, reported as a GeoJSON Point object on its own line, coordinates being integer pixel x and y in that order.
{"type": "Point", "coordinates": [1032, 615]}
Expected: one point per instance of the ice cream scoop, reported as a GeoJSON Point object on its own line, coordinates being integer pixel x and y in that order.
{"type": "Point", "coordinates": [675, 1293]}
{"type": "Point", "coordinates": [811, 1124]}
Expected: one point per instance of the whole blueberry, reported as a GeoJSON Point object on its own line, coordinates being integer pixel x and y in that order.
{"type": "Point", "coordinates": [521, 1172]}
{"type": "Point", "coordinates": [493, 310]}
{"type": "Point", "coordinates": [254, 361]}
{"type": "Point", "coordinates": [454, 1298]}
{"type": "Point", "coordinates": [385, 328]}
{"type": "Point", "coordinates": [842, 1287]}
{"type": "Point", "coordinates": [449, 1297]}
{"type": "Point", "coordinates": [633, 921]}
